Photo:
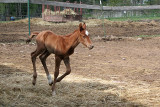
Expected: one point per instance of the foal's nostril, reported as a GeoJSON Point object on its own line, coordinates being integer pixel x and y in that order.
{"type": "Point", "coordinates": [91, 47]}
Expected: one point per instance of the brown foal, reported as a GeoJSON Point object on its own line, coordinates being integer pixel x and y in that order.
{"type": "Point", "coordinates": [61, 46]}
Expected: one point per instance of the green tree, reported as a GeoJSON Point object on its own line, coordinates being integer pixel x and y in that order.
{"type": "Point", "coordinates": [153, 2]}
{"type": "Point", "coordinates": [118, 2]}
{"type": "Point", "coordinates": [2, 8]}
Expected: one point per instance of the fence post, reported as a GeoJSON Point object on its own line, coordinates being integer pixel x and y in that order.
{"type": "Point", "coordinates": [29, 16]}
{"type": "Point", "coordinates": [101, 5]}
{"type": "Point", "coordinates": [80, 9]}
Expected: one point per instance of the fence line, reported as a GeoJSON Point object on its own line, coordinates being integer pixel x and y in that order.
{"type": "Point", "coordinates": [85, 6]}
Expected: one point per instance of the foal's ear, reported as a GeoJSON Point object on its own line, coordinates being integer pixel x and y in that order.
{"type": "Point", "coordinates": [84, 25]}
{"type": "Point", "coordinates": [80, 27]}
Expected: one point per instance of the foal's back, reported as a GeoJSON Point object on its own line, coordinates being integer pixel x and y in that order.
{"type": "Point", "coordinates": [44, 35]}
{"type": "Point", "coordinates": [50, 41]}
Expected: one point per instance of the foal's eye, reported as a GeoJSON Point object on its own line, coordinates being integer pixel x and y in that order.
{"type": "Point", "coordinates": [84, 36]}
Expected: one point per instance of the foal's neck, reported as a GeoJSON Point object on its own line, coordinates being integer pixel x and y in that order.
{"type": "Point", "coordinates": [73, 40]}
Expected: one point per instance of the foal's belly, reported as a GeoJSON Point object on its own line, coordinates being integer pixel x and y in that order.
{"type": "Point", "coordinates": [60, 52]}
{"type": "Point", "coordinates": [54, 51]}
{"type": "Point", "coordinates": [50, 49]}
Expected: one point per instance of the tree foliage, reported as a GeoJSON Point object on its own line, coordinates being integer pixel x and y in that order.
{"type": "Point", "coordinates": [153, 2]}
{"type": "Point", "coordinates": [2, 8]}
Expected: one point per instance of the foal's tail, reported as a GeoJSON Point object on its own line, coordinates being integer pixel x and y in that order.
{"type": "Point", "coordinates": [31, 36]}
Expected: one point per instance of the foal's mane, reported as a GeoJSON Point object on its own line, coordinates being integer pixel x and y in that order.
{"type": "Point", "coordinates": [71, 33]}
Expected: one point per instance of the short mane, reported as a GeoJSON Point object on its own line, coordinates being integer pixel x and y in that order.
{"type": "Point", "coordinates": [71, 33]}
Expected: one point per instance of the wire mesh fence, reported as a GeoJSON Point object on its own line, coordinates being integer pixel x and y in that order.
{"type": "Point", "coordinates": [121, 14]}
{"type": "Point", "coordinates": [18, 11]}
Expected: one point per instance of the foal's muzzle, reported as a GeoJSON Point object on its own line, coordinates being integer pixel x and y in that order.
{"type": "Point", "coordinates": [91, 47]}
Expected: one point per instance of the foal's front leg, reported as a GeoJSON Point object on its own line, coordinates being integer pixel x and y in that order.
{"type": "Point", "coordinates": [68, 71]}
{"type": "Point", "coordinates": [56, 73]}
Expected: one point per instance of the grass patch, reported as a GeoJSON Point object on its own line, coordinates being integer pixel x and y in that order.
{"type": "Point", "coordinates": [133, 18]}
{"type": "Point", "coordinates": [4, 21]}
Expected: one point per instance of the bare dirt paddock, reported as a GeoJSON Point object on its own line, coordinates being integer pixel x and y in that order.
{"type": "Point", "coordinates": [117, 73]}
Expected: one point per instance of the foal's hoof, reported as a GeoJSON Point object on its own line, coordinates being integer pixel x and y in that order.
{"type": "Point", "coordinates": [50, 83]}
{"type": "Point", "coordinates": [57, 80]}
{"type": "Point", "coordinates": [33, 83]}
{"type": "Point", "coordinates": [53, 93]}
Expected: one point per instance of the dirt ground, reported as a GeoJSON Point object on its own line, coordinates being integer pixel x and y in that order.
{"type": "Point", "coordinates": [117, 73]}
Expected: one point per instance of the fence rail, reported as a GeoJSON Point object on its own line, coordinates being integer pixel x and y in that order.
{"type": "Point", "coordinates": [64, 4]}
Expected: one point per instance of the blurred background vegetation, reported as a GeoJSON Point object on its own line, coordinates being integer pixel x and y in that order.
{"type": "Point", "coordinates": [19, 10]}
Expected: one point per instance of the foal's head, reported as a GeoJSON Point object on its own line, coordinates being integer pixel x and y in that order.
{"type": "Point", "coordinates": [84, 36]}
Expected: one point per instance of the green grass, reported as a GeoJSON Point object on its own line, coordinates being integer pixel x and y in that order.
{"type": "Point", "coordinates": [4, 21]}
{"type": "Point", "coordinates": [133, 18]}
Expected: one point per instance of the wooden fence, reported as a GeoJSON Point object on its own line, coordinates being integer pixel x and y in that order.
{"type": "Point", "coordinates": [63, 4]}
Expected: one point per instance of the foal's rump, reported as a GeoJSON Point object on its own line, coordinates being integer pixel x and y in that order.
{"type": "Point", "coordinates": [31, 36]}
{"type": "Point", "coordinates": [41, 36]}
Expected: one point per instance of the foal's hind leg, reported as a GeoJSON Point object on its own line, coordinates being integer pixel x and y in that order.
{"type": "Point", "coordinates": [43, 58]}
{"type": "Point", "coordinates": [33, 57]}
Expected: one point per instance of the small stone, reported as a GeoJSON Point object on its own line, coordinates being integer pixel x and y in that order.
{"type": "Point", "coordinates": [33, 44]}
{"type": "Point", "coordinates": [75, 52]}
{"type": "Point", "coordinates": [139, 39]}
{"type": "Point", "coordinates": [109, 62]}
{"type": "Point", "coordinates": [3, 44]}
{"type": "Point", "coordinates": [124, 58]}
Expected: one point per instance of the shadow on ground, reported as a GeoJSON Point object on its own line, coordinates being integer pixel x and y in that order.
{"type": "Point", "coordinates": [16, 90]}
